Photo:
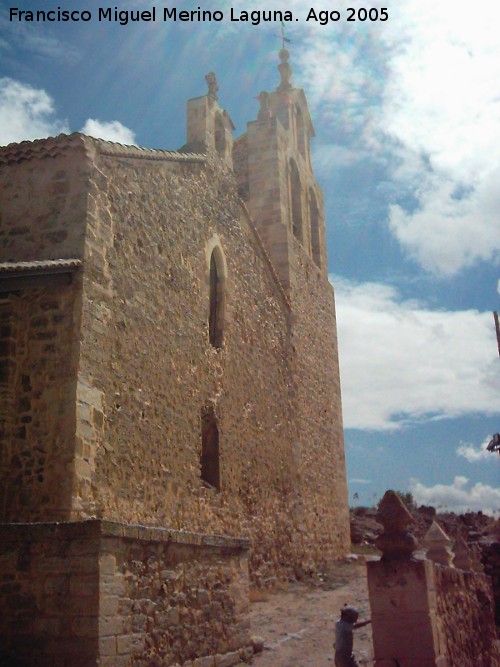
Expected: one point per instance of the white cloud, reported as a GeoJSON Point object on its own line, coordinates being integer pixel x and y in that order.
{"type": "Point", "coordinates": [26, 113]}
{"type": "Point", "coordinates": [403, 362]}
{"type": "Point", "coordinates": [475, 454]}
{"type": "Point", "coordinates": [359, 480]}
{"type": "Point", "coordinates": [420, 92]}
{"type": "Point", "coordinates": [446, 234]}
{"type": "Point", "coordinates": [109, 131]}
{"type": "Point", "coordinates": [440, 101]}
{"type": "Point", "coordinates": [457, 497]}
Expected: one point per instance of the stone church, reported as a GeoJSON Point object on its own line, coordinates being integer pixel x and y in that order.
{"type": "Point", "coordinates": [170, 409]}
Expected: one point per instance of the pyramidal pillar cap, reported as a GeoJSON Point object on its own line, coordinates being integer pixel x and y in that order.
{"type": "Point", "coordinates": [396, 542]}
{"type": "Point", "coordinates": [438, 545]}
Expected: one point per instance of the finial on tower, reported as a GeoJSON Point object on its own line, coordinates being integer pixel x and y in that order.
{"type": "Point", "coordinates": [285, 71]}
{"type": "Point", "coordinates": [284, 66]}
{"type": "Point", "coordinates": [213, 87]}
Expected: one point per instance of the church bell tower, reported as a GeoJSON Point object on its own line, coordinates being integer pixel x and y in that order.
{"type": "Point", "coordinates": [275, 178]}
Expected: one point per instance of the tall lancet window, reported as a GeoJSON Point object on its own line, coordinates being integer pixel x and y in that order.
{"type": "Point", "coordinates": [301, 131]}
{"type": "Point", "coordinates": [296, 201]}
{"type": "Point", "coordinates": [216, 313]}
{"type": "Point", "coordinates": [314, 221]}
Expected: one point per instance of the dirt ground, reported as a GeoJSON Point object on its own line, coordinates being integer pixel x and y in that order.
{"type": "Point", "coordinates": [297, 623]}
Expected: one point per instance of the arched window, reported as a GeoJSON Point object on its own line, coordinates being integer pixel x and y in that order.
{"type": "Point", "coordinates": [210, 448]}
{"type": "Point", "coordinates": [296, 201]}
{"type": "Point", "coordinates": [301, 131]}
{"type": "Point", "coordinates": [314, 220]}
{"type": "Point", "coordinates": [216, 305]}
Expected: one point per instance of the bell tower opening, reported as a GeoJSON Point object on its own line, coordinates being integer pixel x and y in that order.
{"type": "Point", "coordinates": [296, 201]}
{"type": "Point", "coordinates": [314, 222]}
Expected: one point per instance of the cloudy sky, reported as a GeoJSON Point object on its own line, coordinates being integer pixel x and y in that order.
{"type": "Point", "coordinates": [407, 150]}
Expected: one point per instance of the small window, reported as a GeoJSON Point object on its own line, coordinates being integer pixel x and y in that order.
{"type": "Point", "coordinates": [210, 448]}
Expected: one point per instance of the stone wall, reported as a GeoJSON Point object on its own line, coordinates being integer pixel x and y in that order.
{"type": "Point", "coordinates": [148, 221]}
{"type": "Point", "coordinates": [90, 593]}
{"type": "Point", "coordinates": [43, 203]}
{"type": "Point", "coordinates": [320, 437]}
{"type": "Point", "coordinates": [429, 615]}
{"type": "Point", "coordinates": [465, 622]}
{"type": "Point", "coordinates": [43, 199]}
{"type": "Point", "coordinates": [147, 359]}
{"type": "Point", "coordinates": [38, 352]}
{"type": "Point", "coordinates": [491, 562]}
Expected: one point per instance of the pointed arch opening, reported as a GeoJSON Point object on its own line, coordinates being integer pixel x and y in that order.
{"type": "Point", "coordinates": [314, 222]}
{"type": "Point", "coordinates": [301, 131]}
{"type": "Point", "coordinates": [216, 280]}
{"type": "Point", "coordinates": [296, 201]}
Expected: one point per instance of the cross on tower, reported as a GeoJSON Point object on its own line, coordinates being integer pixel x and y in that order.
{"type": "Point", "coordinates": [282, 37]}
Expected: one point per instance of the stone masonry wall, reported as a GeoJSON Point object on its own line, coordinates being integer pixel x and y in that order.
{"type": "Point", "coordinates": [172, 598]}
{"type": "Point", "coordinates": [43, 204]}
{"type": "Point", "coordinates": [319, 421]}
{"type": "Point", "coordinates": [37, 402]}
{"type": "Point", "coordinates": [465, 621]}
{"type": "Point", "coordinates": [100, 593]}
{"type": "Point", "coordinates": [491, 562]}
{"type": "Point", "coordinates": [148, 368]}
{"type": "Point", "coordinates": [49, 595]}
{"type": "Point", "coordinates": [43, 200]}
{"type": "Point", "coordinates": [147, 359]}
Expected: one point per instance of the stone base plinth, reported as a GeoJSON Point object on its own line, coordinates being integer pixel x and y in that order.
{"type": "Point", "coordinates": [91, 593]}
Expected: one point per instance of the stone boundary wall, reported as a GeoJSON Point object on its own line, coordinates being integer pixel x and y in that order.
{"type": "Point", "coordinates": [430, 615]}
{"type": "Point", "coordinates": [491, 562]}
{"type": "Point", "coordinates": [464, 606]}
{"type": "Point", "coordinates": [91, 593]}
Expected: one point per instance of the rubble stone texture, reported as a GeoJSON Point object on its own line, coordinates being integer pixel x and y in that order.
{"type": "Point", "coordinates": [107, 368]}
{"type": "Point", "coordinates": [105, 593]}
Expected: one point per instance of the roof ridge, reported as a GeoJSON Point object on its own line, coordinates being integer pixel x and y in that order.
{"type": "Point", "coordinates": [54, 146]}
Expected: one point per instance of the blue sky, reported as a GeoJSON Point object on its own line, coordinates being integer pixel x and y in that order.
{"type": "Point", "coordinates": [407, 150]}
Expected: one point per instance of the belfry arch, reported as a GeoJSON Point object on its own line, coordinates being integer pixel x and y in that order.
{"type": "Point", "coordinates": [314, 223]}
{"type": "Point", "coordinates": [296, 201]}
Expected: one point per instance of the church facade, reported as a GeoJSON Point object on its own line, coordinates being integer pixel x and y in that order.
{"type": "Point", "coordinates": [170, 385]}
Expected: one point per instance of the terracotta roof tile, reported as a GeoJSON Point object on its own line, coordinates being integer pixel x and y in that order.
{"type": "Point", "coordinates": [40, 266]}
{"type": "Point", "coordinates": [65, 143]}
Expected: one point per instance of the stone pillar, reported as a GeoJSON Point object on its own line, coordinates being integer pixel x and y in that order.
{"type": "Point", "coordinates": [424, 613]}
{"type": "Point", "coordinates": [402, 601]}
{"type": "Point", "coordinates": [401, 594]}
